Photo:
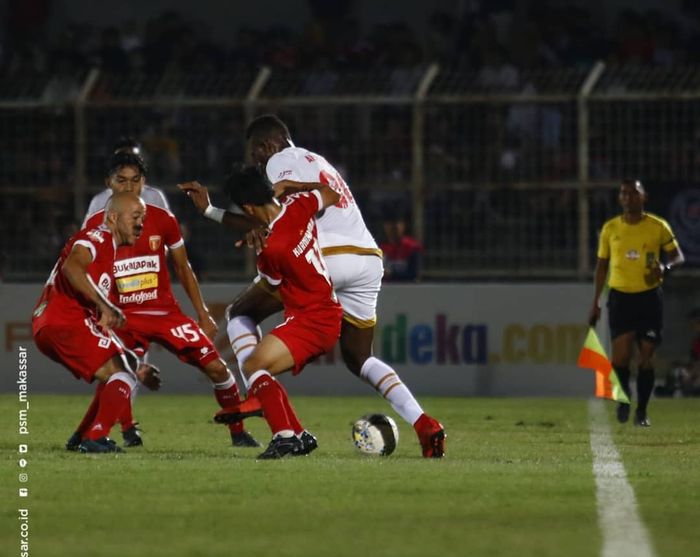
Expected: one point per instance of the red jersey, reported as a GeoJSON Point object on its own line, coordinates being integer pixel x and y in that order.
{"type": "Point", "coordinates": [141, 277]}
{"type": "Point", "coordinates": [60, 302]}
{"type": "Point", "coordinates": [292, 258]}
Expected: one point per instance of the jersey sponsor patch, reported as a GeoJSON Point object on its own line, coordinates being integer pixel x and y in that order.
{"type": "Point", "coordinates": [138, 297]}
{"type": "Point", "coordinates": [105, 283]}
{"type": "Point", "coordinates": [145, 281]}
{"type": "Point", "coordinates": [632, 255]}
{"type": "Point", "coordinates": [126, 267]}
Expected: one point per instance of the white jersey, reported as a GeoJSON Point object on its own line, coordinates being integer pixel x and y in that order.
{"type": "Point", "coordinates": [341, 228]}
{"type": "Point", "coordinates": [150, 195]}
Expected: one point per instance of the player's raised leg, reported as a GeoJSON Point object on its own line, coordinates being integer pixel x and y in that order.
{"type": "Point", "coordinates": [356, 348]}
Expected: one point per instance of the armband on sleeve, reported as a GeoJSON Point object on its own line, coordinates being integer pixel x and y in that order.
{"type": "Point", "coordinates": [214, 213]}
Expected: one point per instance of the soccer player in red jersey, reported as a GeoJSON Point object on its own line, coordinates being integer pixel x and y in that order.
{"type": "Point", "coordinates": [353, 261]}
{"type": "Point", "coordinates": [290, 263]}
{"type": "Point", "coordinates": [73, 318]}
{"type": "Point", "coordinates": [144, 293]}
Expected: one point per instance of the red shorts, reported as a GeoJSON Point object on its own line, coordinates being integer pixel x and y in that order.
{"type": "Point", "coordinates": [80, 346]}
{"type": "Point", "coordinates": [310, 335]}
{"type": "Point", "coordinates": [175, 331]}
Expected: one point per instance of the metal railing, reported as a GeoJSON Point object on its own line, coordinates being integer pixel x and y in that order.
{"type": "Point", "coordinates": [501, 174]}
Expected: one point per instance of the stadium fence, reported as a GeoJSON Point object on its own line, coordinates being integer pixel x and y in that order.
{"type": "Point", "coordinates": [502, 174]}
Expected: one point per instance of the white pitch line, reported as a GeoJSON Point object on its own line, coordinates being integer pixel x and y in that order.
{"type": "Point", "coordinates": [624, 533]}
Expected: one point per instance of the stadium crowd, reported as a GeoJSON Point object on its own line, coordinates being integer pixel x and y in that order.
{"type": "Point", "coordinates": [498, 37]}
{"type": "Point", "coordinates": [494, 46]}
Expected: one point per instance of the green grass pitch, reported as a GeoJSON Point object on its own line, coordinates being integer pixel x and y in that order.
{"type": "Point", "coordinates": [517, 480]}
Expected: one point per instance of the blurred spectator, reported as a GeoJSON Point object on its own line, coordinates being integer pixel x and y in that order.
{"type": "Point", "coordinates": [163, 148]}
{"type": "Point", "coordinates": [684, 378]}
{"type": "Point", "coordinates": [402, 253]}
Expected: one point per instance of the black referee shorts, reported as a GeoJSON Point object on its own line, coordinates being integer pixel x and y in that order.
{"type": "Point", "coordinates": [639, 312]}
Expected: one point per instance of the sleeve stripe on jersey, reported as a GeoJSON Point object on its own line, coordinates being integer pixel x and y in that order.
{"type": "Point", "coordinates": [88, 245]}
{"type": "Point", "coordinates": [671, 241]}
{"type": "Point", "coordinates": [177, 244]}
{"type": "Point", "coordinates": [273, 282]}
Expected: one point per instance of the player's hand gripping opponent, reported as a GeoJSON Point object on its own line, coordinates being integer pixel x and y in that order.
{"type": "Point", "coordinates": [111, 316]}
{"type": "Point", "coordinates": [149, 375]}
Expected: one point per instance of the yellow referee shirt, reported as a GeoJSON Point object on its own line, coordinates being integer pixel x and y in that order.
{"type": "Point", "coordinates": [632, 250]}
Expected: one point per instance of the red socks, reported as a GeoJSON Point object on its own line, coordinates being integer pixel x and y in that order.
{"type": "Point", "coordinates": [279, 413]}
{"type": "Point", "coordinates": [91, 412]}
{"type": "Point", "coordinates": [296, 426]}
{"type": "Point", "coordinates": [113, 400]}
{"type": "Point", "coordinates": [229, 396]}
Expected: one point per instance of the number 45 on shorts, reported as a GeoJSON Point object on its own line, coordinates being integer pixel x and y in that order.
{"type": "Point", "coordinates": [185, 332]}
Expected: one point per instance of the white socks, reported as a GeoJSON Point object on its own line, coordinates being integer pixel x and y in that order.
{"type": "Point", "coordinates": [388, 384]}
{"type": "Point", "coordinates": [243, 335]}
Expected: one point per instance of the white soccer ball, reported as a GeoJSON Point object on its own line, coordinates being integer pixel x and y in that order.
{"type": "Point", "coordinates": [375, 434]}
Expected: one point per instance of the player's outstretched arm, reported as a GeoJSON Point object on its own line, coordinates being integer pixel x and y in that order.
{"type": "Point", "coordinates": [328, 196]}
{"type": "Point", "coordinates": [75, 270]}
{"type": "Point", "coordinates": [199, 195]}
{"type": "Point", "coordinates": [288, 187]}
{"type": "Point", "coordinates": [187, 278]}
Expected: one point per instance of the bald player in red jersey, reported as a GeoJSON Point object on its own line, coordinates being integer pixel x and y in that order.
{"type": "Point", "coordinates": [142, 289]}
{"type": "Point", "coordinates": [73, 318]}
{"type": "Point", "coordinates": [292, 264]}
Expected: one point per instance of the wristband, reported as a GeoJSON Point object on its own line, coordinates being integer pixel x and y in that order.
{"type": "Point", "coordinates": [214, 213]}
{"type": "Point", "coordinates": [668, 268]}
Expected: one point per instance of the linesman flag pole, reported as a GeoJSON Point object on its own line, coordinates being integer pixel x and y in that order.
{"type": "Point", "coordinates": [593, 356]}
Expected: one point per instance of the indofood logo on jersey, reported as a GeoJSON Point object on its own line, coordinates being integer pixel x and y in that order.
{"type": "Point", "coordinates": [444, 342]}
{"type": "Point", "coordinates": [138, 297]}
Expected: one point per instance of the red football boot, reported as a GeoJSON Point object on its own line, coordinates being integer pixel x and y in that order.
{"type": "Point", "coordinates": [245, 409]}
{"type": "Point", "coordinates": [431, 435]}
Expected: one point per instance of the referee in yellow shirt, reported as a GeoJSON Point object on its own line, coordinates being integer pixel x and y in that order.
{"type": "Point", "coordinates": [630, 248]}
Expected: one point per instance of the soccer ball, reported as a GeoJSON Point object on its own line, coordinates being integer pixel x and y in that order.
{"type": "Point", "coordinates": [375, 434]}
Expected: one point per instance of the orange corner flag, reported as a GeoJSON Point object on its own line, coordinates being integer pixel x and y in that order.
{"type": "Point", "coordinates": [593, 356]}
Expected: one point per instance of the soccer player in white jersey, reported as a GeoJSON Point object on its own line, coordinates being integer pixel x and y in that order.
{"type": "Point", "coordinates": [353, 260]}
{"type": "Point", "coordinates": [149, 194]}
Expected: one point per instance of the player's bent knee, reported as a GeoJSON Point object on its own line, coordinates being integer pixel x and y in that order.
{"type": "Point", "coordinates": [353, 359]}
{"type": "Point", "coordinates": [255, 363]}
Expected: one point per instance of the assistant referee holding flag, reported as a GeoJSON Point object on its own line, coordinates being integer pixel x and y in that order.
{"type": "Point", "coordinates": [630, 247]}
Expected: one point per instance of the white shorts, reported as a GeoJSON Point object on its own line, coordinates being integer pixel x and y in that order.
{"type": "Point", "coordinates": [357, 280]}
